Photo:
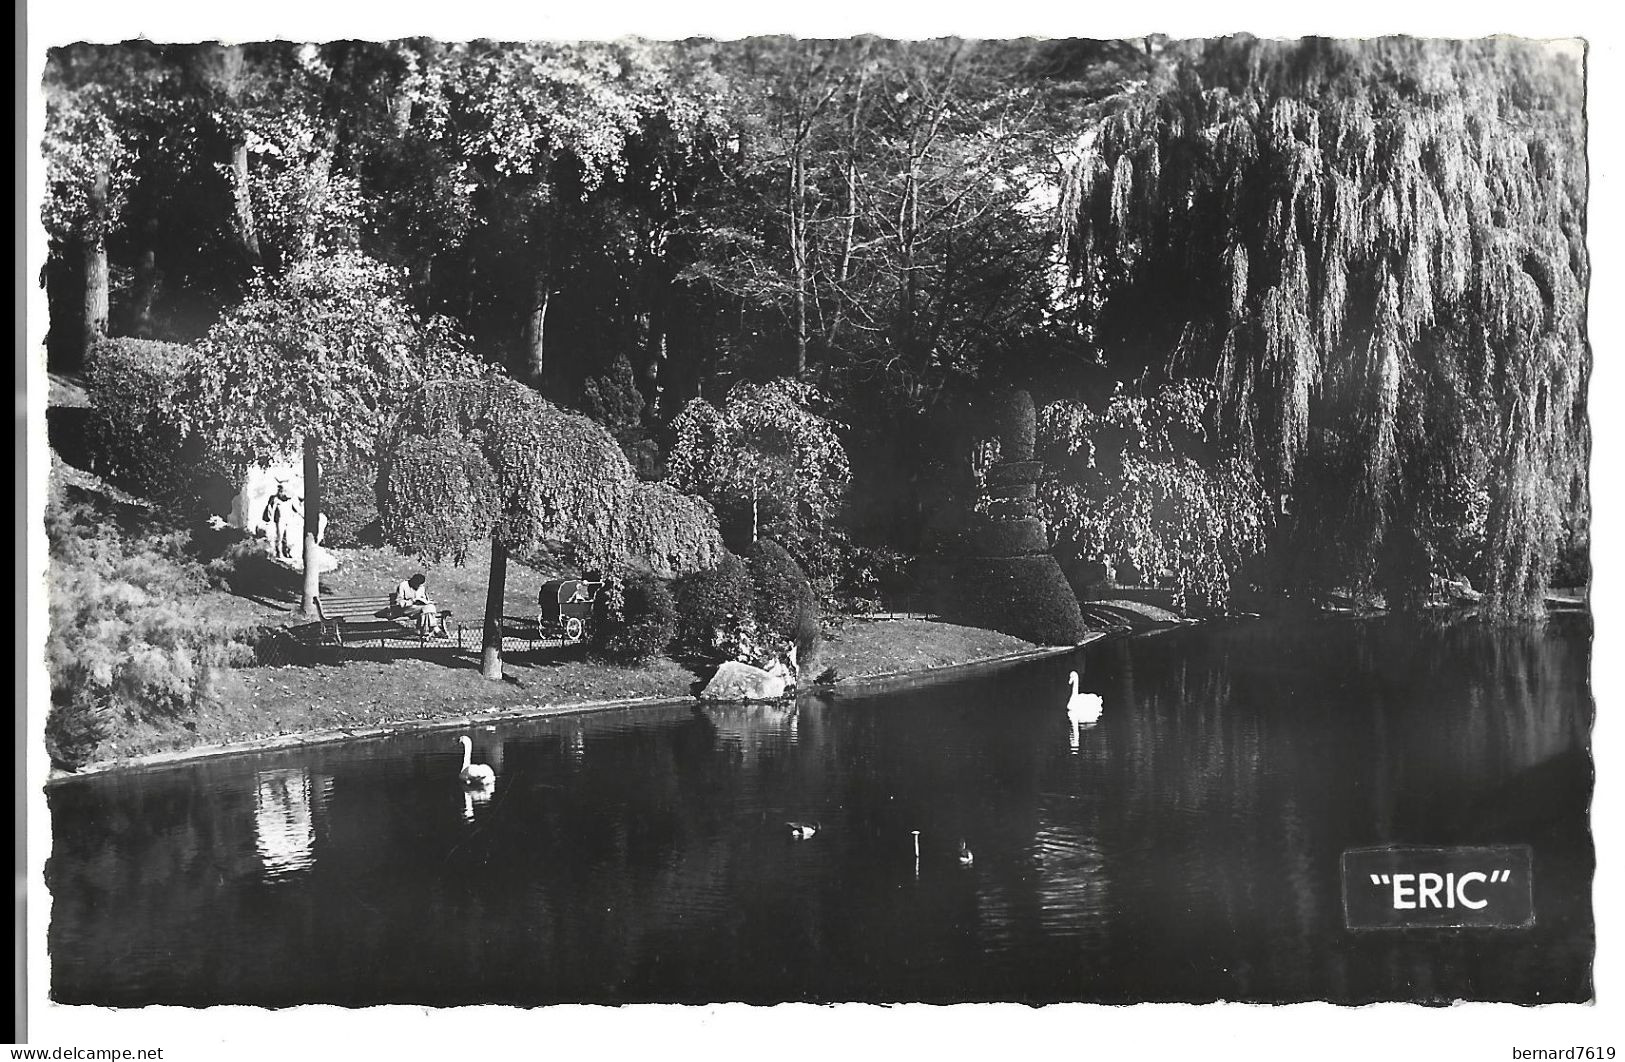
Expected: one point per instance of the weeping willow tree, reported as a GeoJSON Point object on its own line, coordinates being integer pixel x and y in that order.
{"type": "Point", "coordinates": [1375, 250]}
{"type": "Point", "coordinates": [490, 457]}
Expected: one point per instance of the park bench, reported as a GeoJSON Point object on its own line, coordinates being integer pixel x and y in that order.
{"type": "Point", "coordinates": [348, 619]}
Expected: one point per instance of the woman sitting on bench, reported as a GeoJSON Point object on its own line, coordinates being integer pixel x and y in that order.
{"type": "Point", "coordinates": [411, 599]}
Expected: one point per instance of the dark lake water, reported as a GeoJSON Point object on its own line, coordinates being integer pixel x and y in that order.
{"type": "Point", "coordinates": [1186, 847]}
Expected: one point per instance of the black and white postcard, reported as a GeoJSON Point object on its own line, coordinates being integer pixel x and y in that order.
{"type": "Point", "coordinates": [746, 531]}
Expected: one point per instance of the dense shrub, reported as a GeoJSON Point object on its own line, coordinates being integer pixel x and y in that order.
{"type": "Point", "coordinates": [779, 587]}
{"type": "Point", "coordinates": [786, 606]}
{"type": "Point", "coordinates": [240, 563]}
{"type": "Point", "coordinates": [669, 532]}
{"type": "Point", "coordinates": [712, 604]}
{"type": "Point", "coordinates": [74, 727]}
{"type": "Point", "coordinates": [754, 613]}
{"type": "Point", "coordinates": [614, 400]}
{"type": "Point", "coordinates": [134, 442]}
{"type": "Point", "coordinates": [1027, 597]}
{"type": "Point", "coordinates": [350, 503]}
{"type": "Point", "coordinates": [128, 637]}
{"type": "Point", "coordinates": [643, 453]}
{"type": "Point", "coordinates": [635, 618]}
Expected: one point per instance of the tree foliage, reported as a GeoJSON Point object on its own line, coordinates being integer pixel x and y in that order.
{"type": "Point", "coordinates": [439, 497]}
{"type": "Point", "coordinates": [1373, 250]}
{"type": "Point", "coordinates": [96, 103]}
{"type": "Point", "coordinates": [1147, 481]}
{"type": "Point", "coordinates": [491, 457]}
{"type": "Point", "coordinates": [554, 476]}
{"type": "Point", "coordinates": [350, 502]}
{"type": "Point", "coordinates": [331, 352]}
{"type": "Point", "coordinates": [669, 532]}
{"type": "Point", "coordinates": [770, 449]}
{"type": "Point", "coordinates": [1368, 247]}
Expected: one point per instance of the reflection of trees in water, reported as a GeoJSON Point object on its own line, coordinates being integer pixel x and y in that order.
{"type": "Point", "coordinates": [284, 824]}
{"type": "Point", "coordinates": [1244, 770]}
{"type": "Point", "coordinates": [748, 729]}
{"type": "Point", "coordinates": [1474, 708]}
{"type": "Point", "coordinates": [1071, 880]}
{"type": "Point", "coordinates": [145, 864]}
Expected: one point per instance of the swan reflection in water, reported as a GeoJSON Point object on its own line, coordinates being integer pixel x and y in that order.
{"type": "Point", "coordinates": [284, 824]}
{"type": "Point", "coordinates": [479, 780]}
{"type": "Point", "coordinates": [472, 797]}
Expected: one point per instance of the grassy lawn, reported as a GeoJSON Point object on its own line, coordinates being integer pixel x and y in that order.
{"type": "Point", "coordinates": [370, 690]}
{"type": "Point", "coordinates": [268, 702]}
{"type": "Point", "coordinates": [880, 647]}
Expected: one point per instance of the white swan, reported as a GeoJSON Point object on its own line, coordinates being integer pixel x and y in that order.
{"type": "Point", "coordinates": [474, 774]}
{"type": "Point", "coordinates": [965, 856]}
{"type": "Point", "coordinates": [1082, 708]}
{"type": "Point", "coordinates": [801, 831]}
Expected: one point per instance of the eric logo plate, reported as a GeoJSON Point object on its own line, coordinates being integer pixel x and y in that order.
{"type": "Point", "coordinates": [1410, 888]}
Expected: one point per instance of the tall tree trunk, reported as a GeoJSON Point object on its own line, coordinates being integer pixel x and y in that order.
{"type": "Point", "coordinates": [146, 289]}
{"type": "Point", "coordinates": [243, 208]}
{"type": "Point", "coordinates": [146, 283]}
{"type": "Point", "coordinates": [495, 590]}
{"type": "Point", "coordinates": [657, 369]}
{"type": "Point", "coordinates": [95, 265]}
{"type": "Point", "coordinates": [313, 524]}
{"type": "Point", "coordinates": [424, 283]}
{"type": "Point", "coordinates": [851, 214]}
{"type": "Point", "coordinates": [400, 112]}
{"type": "Point", "coordinates": [660, 288]}
{"type": "Point", "coordinates": [535, 326]}
{"type": "Point", "coordinates": [546, 225]}
{"type": "Point", "coordinates": [908, 295]}
{"type": "Point", "coordinates": [798, 251]}
{"type": "Point", "coordinates": [846, 251]}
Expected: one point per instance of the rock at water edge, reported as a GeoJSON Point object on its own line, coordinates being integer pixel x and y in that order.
{"type": "Point", "coordinates": [741, 682]}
